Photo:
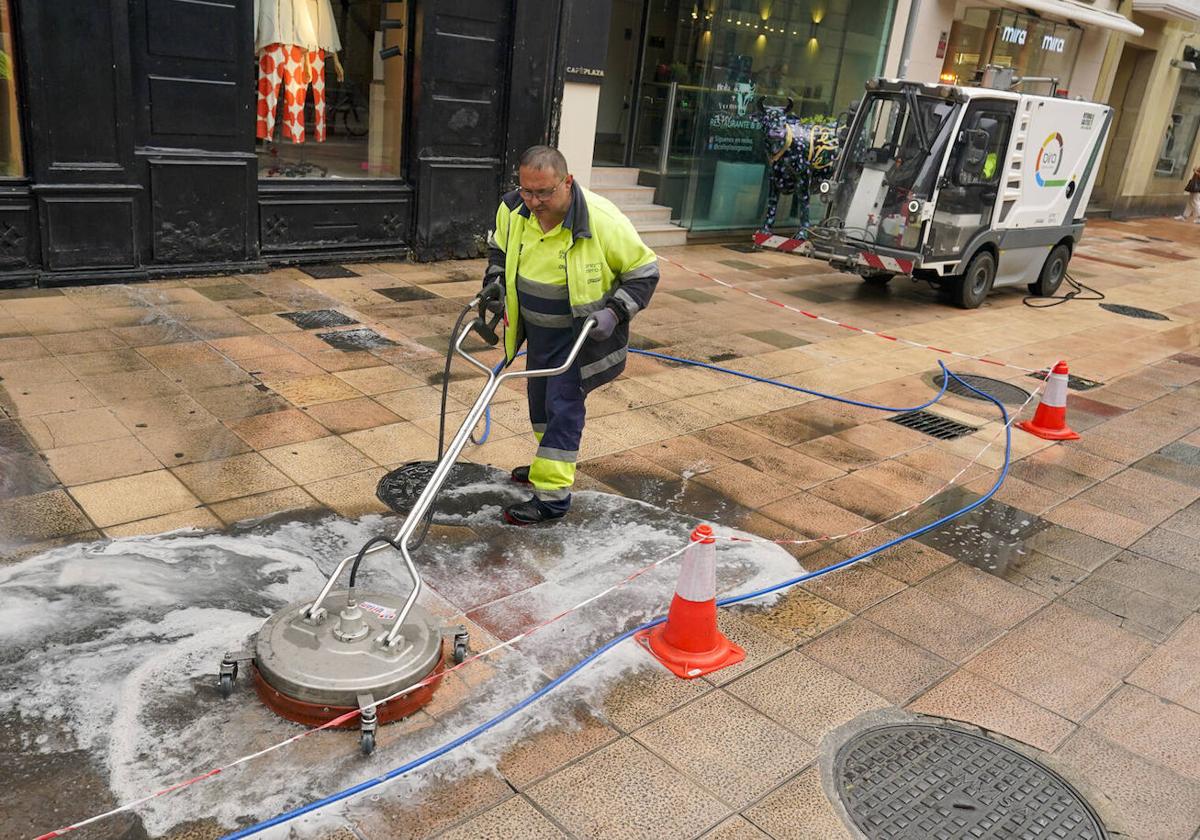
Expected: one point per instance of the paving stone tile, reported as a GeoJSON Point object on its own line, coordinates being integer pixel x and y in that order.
{"type": "Point", "coordinates": [1041, 574]}
{"type": "Point", "coordinates": [804, 695]}
{"type": "Point", "coordinates": [983, 594]}
{"type": "Point", "coordinates": [1150, 800]}
{"type": "Point", "coordinates": [909, 561]}
{"type": "Point", "coordinates": [625, 791]}
{"type": "Point", "coordinates": [855, 588]}
{"type": "Point", "coordinates": [351, 415]}
{"type": "Point", "coordinates": [39, 517]}
{"type": "Point", "coordinates": [799, 810]}
{"type": "Point", "coordinates": [434, 808]}
{"type": "Point", "coordinates": [545, 750]}
{"type": "Point", "coordinates": [1094, 639]}
{"type": "Point", "coordinates": [935, 625]}
{"type": "Point", "coordinates": [1160, 580]}
{"type": "Point", "coordinates": [1172, 671]}
{"type": "Point", "coordinates": [198, 518]}
{"type": "Point", "coordinates": [350, 495]}
{"type": "Point", "coordinates": [760, 647]}
{"type": "Point", "coordinates": [201, 377]}
{"type": "Point", "coordinates": [969, 698]}
{"type": "Point", "coordinates": [1073, 547]}
{"type": "Point", "coordinates": [89, 462]}
{"type": "Point", "coordinates": [289, 500]}
{"type": "Point", "coordinates": [811, 516]}
{"type": "Point", "coordinates": [1054, 680]}
{"type": "Point", "coordinates": [175, 446]}
{"type": "Point", "coordinates": [644, 695]}
{"type": "Point", "coordinates": [859, 496]}
{"type": "Point", "coordinates": [736, 442]}
{"type": "Point", "coordinates": [1158, 730]}
{"type": "Point", "coordinates": [1138, 505]}
{"type": "Point", "coordinates": [728, 747]}
{"type": "Point", "coordinates": [394, 444]}
{"type": "Point", "coordinates": [134, 497]}
{"type": "Point", "coordinates": [838, 453]}
{"type": "Point", "coordinates": [71, 428]}
{"type": "Point", "coordinates": [682, 454]}
{"type": "Point", "coordinates": [745, 485]}
{"type": "Point", "coordinates": [36, 399]}
{"type": "Point", "coordinates": [880, 661]}
{"type": "Point", "coordinates": [84, 341]}
{"type": "Point", "coordinates": [1170, 547]}
{"type": "Point", "coordinates": [797, 615]}
{"type": "Point", "coordinates": [1098, 522]}
{"type": "Point", "coordinates": [514, 817]}
{"type": "Point", "coordinates": [234, 402]}
{"type": "Point", "coordinates": [229, 478]}
{"type": "Point", "coordinates": [180, 354]}
{"type": "Point", "coordinates": [1186, 522]}
{"type": "Point", "coordinates": [277, 428]}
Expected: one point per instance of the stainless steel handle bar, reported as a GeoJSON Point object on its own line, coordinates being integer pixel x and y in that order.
{"type": "Point", "coordinates": [442, 471]}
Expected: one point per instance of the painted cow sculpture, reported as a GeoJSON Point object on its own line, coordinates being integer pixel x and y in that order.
{"type": "Point", "coordinates": [798, 154]}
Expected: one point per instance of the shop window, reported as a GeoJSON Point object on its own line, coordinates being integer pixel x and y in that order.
{"type": "Point", "coordinates": [1030, 46]}
{"type": "Point", "coordinates": [1180, 136]}
{"type": "Point", "coordinates": [11, 161]}
{"type": "Point", "coordinates": [331, 88]}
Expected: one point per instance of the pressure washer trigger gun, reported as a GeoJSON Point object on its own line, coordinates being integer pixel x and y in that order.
{"type": "Point", "coordinates": [491, 302]}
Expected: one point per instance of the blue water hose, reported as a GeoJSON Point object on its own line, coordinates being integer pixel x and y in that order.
{"type": "Point", "coordinates": [583, 663]}
{"type": "Point", "coordinates": [487, 414]}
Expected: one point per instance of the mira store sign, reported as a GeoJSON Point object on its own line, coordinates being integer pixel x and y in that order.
{"type": "Point", "coordinates": [1018, 35]}
{"type": "Point", "coordinates": [585, 46]}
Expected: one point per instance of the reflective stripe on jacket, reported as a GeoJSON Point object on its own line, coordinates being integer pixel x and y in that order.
{"type": "Point", "coordinates": [607, 263]}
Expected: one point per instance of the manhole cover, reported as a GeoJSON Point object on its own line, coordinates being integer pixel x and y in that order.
{"type": "Point", "coordinates": [1003, 391]}
{"type": "Point", "coordinates": [934, 425]}
{"type": "Point", "coordinates": [363, 339]}
{"type": "Point", "coordinates": [327, 271]}
{"type": "Point", "coordinates": [400, 488]}
{"type": "Point", "coordinates": [314, 318]}
{"type": "Point", "coordinates": [1133, 312]}
{"type": "Point", "coordinates": [403, 294]}
{"type": "Point", "coordinates": [922, 781]}
{"type": "Point", "coordinates": [1075, 383]}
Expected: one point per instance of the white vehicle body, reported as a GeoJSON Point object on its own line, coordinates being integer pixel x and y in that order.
{"type": "Point", "coordinates": [931, 176]}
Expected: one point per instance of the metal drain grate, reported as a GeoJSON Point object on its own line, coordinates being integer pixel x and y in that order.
{"type": "Point", "coordinates": [317, 318]}
{"type": "Point", "coordinates": [327, 271]}
{"type": "Point", "coordinates": [1075, 383]}
{"type": "Point", "coordinates": [1133, 312]}
{"type": "Point", "coordinates": [1003, 391]}
{"type": "Point", "coordinates": [930, 782]}
{"type": "Point", "coordinates": [942, 428]}
{"type": "Point", "coordinates": [404, 294]}
{"type": "Point", "coordinates": [361, 339]}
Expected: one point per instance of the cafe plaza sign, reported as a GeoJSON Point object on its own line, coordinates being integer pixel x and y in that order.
{"type": "Point", "coordinates": [1017, 35]}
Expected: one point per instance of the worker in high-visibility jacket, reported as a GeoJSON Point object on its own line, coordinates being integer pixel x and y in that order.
{"type": "Point", "coordinates": [558, 255]}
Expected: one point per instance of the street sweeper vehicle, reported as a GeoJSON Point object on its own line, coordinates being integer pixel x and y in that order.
{"type": "Point", "coordinates": [965, 187]}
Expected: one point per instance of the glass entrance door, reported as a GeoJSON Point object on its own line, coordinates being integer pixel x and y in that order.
{"type": "Point", "coordinates": [616, 112]}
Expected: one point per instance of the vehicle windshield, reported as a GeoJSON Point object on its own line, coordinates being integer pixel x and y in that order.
{"type": "Point", "coordinates": [892, 156]}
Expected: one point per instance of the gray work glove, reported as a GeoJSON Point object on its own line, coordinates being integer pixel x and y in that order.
{"type": "Point", "coordinates": [492, 297]}
{"type": "Point", "coordinates": [606, 321]}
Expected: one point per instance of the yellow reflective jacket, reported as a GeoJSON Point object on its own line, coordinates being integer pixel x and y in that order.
{"type": "Point", "coordinates": [608, 265]}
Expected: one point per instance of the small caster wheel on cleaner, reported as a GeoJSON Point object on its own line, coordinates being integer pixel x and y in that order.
{"type": "Point", "coordinates": [228, 673]}
{"type": "Point", "coordinates": [461, 640]}
{"type": "Point", "coordinates": [366, 743]}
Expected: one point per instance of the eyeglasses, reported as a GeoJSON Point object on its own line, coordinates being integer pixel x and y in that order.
{"type": "Point", "coordinates": [540, 195]}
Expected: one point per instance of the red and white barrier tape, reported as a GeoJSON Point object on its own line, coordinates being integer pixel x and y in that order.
{"type": "Point", "coordinates": [845, 326]}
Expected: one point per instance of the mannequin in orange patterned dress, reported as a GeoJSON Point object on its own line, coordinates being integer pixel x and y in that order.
{"type": "Point", "coordinates": [293, 40]}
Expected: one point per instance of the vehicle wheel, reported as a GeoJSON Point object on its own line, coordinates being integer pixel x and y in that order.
{"type": "Point", "coordinates": [977, 281]}
{"type": "Point", "coordinates": [880, 278]}
{"type": "Point", "coordinates": [1052, 272]}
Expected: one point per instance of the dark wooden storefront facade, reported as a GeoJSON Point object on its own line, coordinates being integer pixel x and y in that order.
{"type": "Point", "coordinates": [138, 126]}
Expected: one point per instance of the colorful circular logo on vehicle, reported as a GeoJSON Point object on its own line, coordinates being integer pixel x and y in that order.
{"type": "Point", "coordinates": [1049, 161]}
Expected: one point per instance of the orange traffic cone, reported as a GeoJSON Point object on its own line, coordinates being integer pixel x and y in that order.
{"type": "Point", "coordinates": [1050, 420]}
{"type": "Point", "coordinates": [689, 643]}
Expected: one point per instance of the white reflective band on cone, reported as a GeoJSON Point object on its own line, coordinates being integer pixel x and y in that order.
{"type": "Point", "coordinates": [698, 573]}
{"type": "Point", "coordinates": [1056, 391]}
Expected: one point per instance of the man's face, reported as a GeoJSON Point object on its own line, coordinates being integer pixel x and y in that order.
{"type": "Point", "coordinates": [545, 194]}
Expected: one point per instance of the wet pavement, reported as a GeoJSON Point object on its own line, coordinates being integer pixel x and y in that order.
{"type": "Point", "coordinates": [261, 411]}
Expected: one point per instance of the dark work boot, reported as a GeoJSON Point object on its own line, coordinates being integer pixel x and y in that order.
{"type": "Point", "coordinates": [520, 475]}
{"type": "Point", "coordinates": [531, 513]}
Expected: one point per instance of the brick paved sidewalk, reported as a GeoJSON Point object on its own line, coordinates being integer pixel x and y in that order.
{"type": "Point", "coordinates": [139, 409]}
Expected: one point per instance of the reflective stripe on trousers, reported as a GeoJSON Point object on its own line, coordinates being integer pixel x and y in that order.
{"type": "Point", "coordinates": [556, 404]}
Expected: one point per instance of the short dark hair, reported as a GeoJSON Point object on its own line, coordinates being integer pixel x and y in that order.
{"type": "Point", "coordinates": [545, 157]}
